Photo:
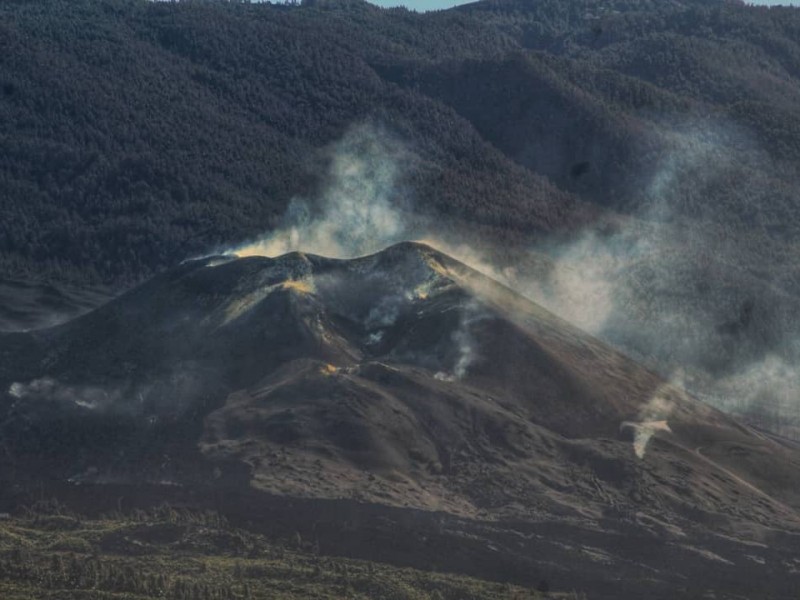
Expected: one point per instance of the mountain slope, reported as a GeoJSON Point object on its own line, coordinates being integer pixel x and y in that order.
{"type": "Point", "coordinates": [34, 305]}
{"type": "Point", "coordinates": [221, 116]}
{"type": "Point", "coordinates": [223, 111]}
{"type": "Point", "coordinates": [402, 379]}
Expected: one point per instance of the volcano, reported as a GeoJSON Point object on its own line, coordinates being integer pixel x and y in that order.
{"type": "Point", "coordinates": [404, 383]}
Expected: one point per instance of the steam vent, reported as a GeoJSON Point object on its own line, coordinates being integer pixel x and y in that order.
{"type": "Point", "coordinates": [403, 380]}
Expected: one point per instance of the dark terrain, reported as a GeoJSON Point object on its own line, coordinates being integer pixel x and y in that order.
{"type": "Point", "coordinates": [136, 134]}
{"type": "Point", "coordinates": [405, 408]}
{"type": "Point", "coordinates": [628, 169]}
{"type": "Point", "coordinates": [172, 552]}
{"type": "Point", "coordinates": [35, 305]}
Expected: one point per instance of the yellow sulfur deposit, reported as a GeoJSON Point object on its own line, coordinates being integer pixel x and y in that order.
{"type": "Point", "coordinates": [329, 369]}
{"type": "Point", "coordinates": [301, 286]}
{"type": "Point", "coordinates": [423, 291]}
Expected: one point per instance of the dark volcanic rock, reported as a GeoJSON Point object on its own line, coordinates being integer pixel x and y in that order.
{"type": "Point", "coordinates": [403, 379]}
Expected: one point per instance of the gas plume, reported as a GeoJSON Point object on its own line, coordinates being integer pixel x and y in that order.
{"type": "Point", "coordinates": [87, 397]}
{"type": "Point", "coordinates": [678, 283]}
{"type": "Point", "coordinates": [360, 209]}
{"type": "Point", "coordinates": [653, 416]}
{"type": "Point", "coordinates": [464, 342]}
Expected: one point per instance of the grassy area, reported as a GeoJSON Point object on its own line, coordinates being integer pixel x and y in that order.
{"type": "Point", "coordinates": [167, 553]}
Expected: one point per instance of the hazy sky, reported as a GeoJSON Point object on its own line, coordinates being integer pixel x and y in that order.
{"type": "Point", "coordinates": [437, 4]}
{"type": "Point", "coordinates": [421, 4]}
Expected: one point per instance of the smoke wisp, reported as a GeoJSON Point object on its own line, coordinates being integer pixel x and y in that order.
{"type": "Point", "coordinates": [47, 388]}
{"type": "Point", "coordinates": [359, 211]}
{"type": "Point", "coordinates": [691, 280]}
{"type": "Point", "coordinates": [464, 343]}
{"type": "Point", "coordinates": [678, 283]}
{"type": "Point", "coordinates": [653, 417]}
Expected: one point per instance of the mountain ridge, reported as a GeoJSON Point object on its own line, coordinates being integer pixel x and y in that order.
{"type": "Point", "coordinates": [398, 381]}
{"type": "Point", "coordinates": [408, 307]}
{"type": "Point", "coordinates": [605, 84]}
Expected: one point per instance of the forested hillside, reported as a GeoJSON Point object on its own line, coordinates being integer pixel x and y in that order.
{"type": "Point", "coordinates": [135, 134]}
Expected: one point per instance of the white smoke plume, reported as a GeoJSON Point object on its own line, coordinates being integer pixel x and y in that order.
{"type": "Point", "coordinates": [87, 397]}
{"type": "Point", "coordinates": [661, 285]}
{"type": "Point", "coordinates": [464, 342]}
{"type": "Point", "coordinates": [385, 313]}
{"type": "Point", "coordinates": [363, 208]}
{"type": "Point", "coordinates": [767, 392]}
{"type": "Point", "coordinates": [594, 275]}
{"type": "Point", "coordinates": [152, 400]}
{"type": "Point", "coordinates": [359, 211]}
{"type": "Point", "coordinates": [688, 281]}
{"type": "Point", "coordinates": [580, 287]}
{"type": "Point", "coordinates": [653, 416]}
